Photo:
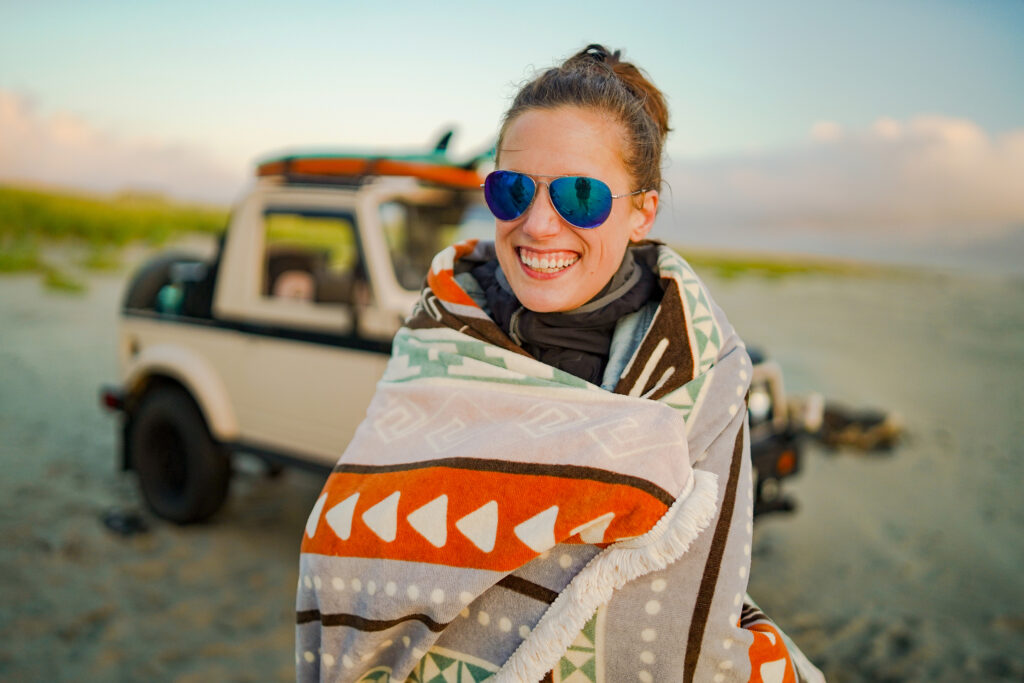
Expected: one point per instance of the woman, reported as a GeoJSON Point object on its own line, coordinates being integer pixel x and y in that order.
{"type": "Point", "coordinates": [553, 480]}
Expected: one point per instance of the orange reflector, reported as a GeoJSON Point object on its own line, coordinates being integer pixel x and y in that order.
{"type": "Point", "coordinates": [786, 463]}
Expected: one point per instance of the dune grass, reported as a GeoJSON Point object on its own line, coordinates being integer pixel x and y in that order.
{"type": "Point", "coordinates": [99, 227]}
{"type": "Point", "coordinates": [729, 265]}
{"type": "Point", "coordinates": [33, 219]}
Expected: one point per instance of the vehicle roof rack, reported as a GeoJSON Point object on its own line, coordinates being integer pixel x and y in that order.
{"type": "Point", "coordinates": [356, 168]}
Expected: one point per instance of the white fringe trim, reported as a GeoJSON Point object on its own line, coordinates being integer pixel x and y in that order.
{"type": "Point", "coordinates": [611, 569]}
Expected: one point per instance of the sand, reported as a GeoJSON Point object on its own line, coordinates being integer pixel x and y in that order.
{"type": "Point", "coordinates": [905, 566]}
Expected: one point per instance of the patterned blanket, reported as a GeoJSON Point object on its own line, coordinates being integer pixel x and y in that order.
{"type": "Point", "coordinates": [495, 518]}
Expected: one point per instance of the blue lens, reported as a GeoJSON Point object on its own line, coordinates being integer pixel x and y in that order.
{"type": "Point", "coordinates": [508, 194]}
{"type": "Point", "coordinates": [581, 201]}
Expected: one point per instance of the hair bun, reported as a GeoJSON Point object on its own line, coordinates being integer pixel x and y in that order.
{"type": "Point", "coordinates": [599, 79]}
{"type": "Point", "coordinates": [600, 53]}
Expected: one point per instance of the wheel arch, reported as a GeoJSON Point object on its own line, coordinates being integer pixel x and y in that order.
{"type": "Point", "coordinates": [165, 363]}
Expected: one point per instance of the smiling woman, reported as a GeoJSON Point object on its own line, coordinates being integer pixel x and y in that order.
{"type": "Point", "coordinates": [553, 481]}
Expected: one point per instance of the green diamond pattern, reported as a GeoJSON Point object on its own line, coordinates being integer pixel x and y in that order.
{"type": "Point", "coordinates": [579, 664]}
{"type": "Point", "coordinates": [438, 668]}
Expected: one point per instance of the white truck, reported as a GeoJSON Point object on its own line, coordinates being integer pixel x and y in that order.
{"type": "Point", "coordinates": [275, 345]}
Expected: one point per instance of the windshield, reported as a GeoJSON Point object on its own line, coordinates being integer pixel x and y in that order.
{"type": "Point", "coordinates": [415, 232]}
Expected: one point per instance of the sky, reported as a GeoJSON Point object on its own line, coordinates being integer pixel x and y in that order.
{"type": "Point", "coordinates": [888, 125]}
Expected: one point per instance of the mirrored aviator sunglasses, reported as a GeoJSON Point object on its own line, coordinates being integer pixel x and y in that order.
{"type": "Point", "coordinates": [581, 201]}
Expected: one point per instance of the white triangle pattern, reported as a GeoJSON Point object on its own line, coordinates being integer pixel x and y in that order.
{"type": "Point", "coordinates": [431, 521]}
{"type": "Point", "coordinates": [773, 672]}
{"type": "Point", "coordinates": [481, 526]}
{"type": "Point", "coordinates": [339, 517]}
{"type": "Point", "coordinates": [594, 530]}
{"type": "Point", "coordinates": [382, 518]}
{"type": "Point", "coordinates": [314, 515]}
{"type": "Point", "coordinates": [538, 532]}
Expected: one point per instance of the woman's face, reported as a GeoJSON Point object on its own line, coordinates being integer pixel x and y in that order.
{"type": "Point", "coordinates": [567, 141]}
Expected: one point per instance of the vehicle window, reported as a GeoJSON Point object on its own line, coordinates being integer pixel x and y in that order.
{"type": "Point", "coordinates": [415, 232]}
{"type": "Point", "coordinates": [313, 257]}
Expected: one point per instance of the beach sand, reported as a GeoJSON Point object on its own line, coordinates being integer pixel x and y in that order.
{"type": "Point", "coordinates": [902, 566]}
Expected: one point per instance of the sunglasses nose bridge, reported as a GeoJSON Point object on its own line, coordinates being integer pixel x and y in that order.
{"type": "Point", "coordinates": [542, 219]}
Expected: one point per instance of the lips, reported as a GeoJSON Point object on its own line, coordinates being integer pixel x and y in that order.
{"type": "Point", "coordinates": [547, 261]}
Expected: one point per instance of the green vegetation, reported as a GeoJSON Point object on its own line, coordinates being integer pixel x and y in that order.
{"type": "Point", "coordinates": [31, 220]}
{"type": "Point", "coordinates": [332, 236]}
{"type": "Point", "coordinates": [729, 265]}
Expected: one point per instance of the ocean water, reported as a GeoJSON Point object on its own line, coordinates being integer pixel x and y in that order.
{"type": "Point", "coordinates": [958, 249]}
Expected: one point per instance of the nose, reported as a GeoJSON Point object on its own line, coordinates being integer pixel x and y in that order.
{"type": "Point", "coordinates": [542, 221]}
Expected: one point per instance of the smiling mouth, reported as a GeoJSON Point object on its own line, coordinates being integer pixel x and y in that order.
{"type": "Point", "coordinates": [547, 262]}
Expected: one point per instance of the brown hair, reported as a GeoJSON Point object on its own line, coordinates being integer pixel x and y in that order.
{"type": "Point", "coordinates": [597, 79]}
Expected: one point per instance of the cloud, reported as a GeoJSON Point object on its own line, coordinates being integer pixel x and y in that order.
{"type": "Point", "coordinates": [63, 149]}
{"type": "Point", "coordinates": [922, 178]}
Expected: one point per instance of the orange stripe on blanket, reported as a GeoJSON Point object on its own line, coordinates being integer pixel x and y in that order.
{"type": "Point", "coordinates": [475, 519]}
{"type": "Point", "coordinates": [769, 657]}
{"type": "Point", "coordinates": [443, 283]}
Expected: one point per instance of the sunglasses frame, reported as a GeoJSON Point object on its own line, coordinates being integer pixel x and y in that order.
{"type": "Point", "coordinates": [547, 185]}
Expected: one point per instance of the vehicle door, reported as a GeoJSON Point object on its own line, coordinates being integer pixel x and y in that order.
{"type": "Point", "coordinates": [311, 369]}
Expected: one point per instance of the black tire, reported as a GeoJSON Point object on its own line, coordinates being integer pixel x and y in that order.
{"type": "Point", "coordinates": [183, 472]}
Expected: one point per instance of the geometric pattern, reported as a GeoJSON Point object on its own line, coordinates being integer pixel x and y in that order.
{"type": "Point", "coordinates": [579, 664]}
{"type": "Point", "coordinates": [466, 507]}
{"type": "Point", "coordinates": [423, 514]}
{"type": "Point", "coordinates": [422, 354]}
{"type": "Point", "coordinates": [440, 665]}
{"type": "Point", "coordinates": [706, 337]}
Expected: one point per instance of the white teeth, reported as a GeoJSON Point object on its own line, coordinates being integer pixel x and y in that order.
{"type": "Point", "coordinates": [545, 263]}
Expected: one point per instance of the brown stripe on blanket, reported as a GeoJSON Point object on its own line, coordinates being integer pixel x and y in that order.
{"type": "Point", "coordinates": [525, 468]}
{"type": "Point", "coordinates": [706, 592]}
{"type": "Point", "coordinates": [529, 589]}
{"type": "Point", "coordinates": [677, 357]}
{"type": "Point", "coordinates": [750, 615]}
{"type": "Point", "coordinates": [362, 624]}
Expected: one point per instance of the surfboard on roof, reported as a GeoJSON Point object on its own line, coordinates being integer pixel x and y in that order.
{"type": "Point", "coordinates": [434, 166]}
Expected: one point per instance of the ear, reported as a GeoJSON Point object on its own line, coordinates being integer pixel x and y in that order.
{"type": "Point", "coordinates": [643, 217]}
